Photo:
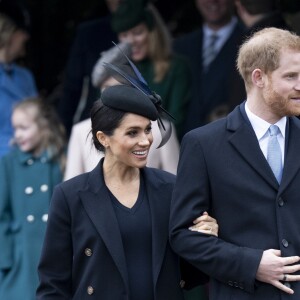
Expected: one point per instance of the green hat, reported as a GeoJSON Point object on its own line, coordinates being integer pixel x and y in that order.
{"type": "Point", "coordinates": [129, 14]}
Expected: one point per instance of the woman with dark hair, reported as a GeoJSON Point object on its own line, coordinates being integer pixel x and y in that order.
{"type": "Point", "coordinates": [107, 232]}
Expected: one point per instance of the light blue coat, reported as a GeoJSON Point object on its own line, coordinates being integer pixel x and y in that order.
{"type": "Point", "coordinates": [15, 85]}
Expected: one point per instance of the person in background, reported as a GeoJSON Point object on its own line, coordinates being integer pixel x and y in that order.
{"type": "Point", "coordinates": [92, 38]}
{"type": "Point", "coordinates": [246, 174]}
{"type": "Point", "coordinates": [28, 175]}
{"type": "Point", "coordinates": [256, 15]}
{"type": "Point", "coordinates": [139, 24]}
{"type": "Point", "coordinates": [211, 51]}
{"type": "Point", "coordinates": [16, 82]}
{"type": "Point", "coordinates": [107, 233]}
{"type": "Point", "coordinates": [259, 14]}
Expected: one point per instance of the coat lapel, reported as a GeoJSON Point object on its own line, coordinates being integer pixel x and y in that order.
{"type": "Point", "coordinates": [96, 201]}
{"type": "Point", "coordinates": [292, 147]}
{"type": "Point", "coordinates": [244, 140]}
{"type": "Point", "coordinates": [160, 221]}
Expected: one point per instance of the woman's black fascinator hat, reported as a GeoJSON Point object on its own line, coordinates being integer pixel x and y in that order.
{"type": "Point", "coordinates": [135, 96]}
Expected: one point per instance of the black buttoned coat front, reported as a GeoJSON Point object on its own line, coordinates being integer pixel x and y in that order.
{"type": "Point", "coordinates": [83, 256]}
{"type": "Point", "coordinates": [222, 170]}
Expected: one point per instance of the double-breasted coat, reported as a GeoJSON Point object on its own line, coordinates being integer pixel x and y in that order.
{"type": "Point", "coordinates": [26, 185]}
{"type": "Point", "coordinates": [223, 170]}
{"type": "Point", "coordinates": [83, 256]}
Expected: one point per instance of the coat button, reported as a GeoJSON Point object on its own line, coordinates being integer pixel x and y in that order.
{"type": "Point", "coordinates": [30, 218]}
{"type": "Point", "coordinates": [90, 290]}
{"type": "Point", "coordinates": [182, 283]}
{"type": "Point", "coordinates": [29, 190]}
{"type": "Point", "coordinates": [280, 202]}
{"type": "Point", "coordinates": [88, 252]}
{"type": "Point", "coordinates": [285, 243]}
{"type": "Point", "coordinates": [44, 187]}
{"type": "Point", "coordinates": [29, 161]}
{"type": "Point", "coordinates": [45, 218]}
{"type": "Point", "coordinates": [43, 160]}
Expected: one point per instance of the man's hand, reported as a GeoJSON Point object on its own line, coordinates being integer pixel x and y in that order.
{"type": "Point", "coordinates": [273, 269]}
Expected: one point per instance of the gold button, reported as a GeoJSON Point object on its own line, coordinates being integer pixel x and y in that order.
{"type": "Point", "coordinates": [88, 252]}
{"type": "Point", "coordinates": [90, 290]}
{"type": "Point", "coordinates": [29, 190]}
{"type": "Point", "coordinates": [44, 187]}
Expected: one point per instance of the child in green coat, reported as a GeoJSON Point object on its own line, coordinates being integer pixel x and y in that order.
{"type": "Point", "coordinates": [28, 174]}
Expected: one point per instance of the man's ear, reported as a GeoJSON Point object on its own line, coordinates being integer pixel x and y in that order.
{"type": "Point", "coordinates": [258, 78]}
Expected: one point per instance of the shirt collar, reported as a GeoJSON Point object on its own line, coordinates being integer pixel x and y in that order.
{"type": "Point", "coordinates": [261, 126]}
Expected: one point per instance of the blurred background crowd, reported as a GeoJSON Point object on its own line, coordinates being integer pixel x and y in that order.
{"type": "Point", "coordinates": [54, 24]}
{"type": "Point", "coordinates": [53, 50]}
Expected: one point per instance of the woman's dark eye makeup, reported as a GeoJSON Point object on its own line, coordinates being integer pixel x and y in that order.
{"type": "Point", "coordinates": [134, 132]}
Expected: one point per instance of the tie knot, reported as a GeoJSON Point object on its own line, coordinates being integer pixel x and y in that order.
{"type": "Point", "coordinates": [274, 130]}
{"type": "Point", "coordinates": [213, 38]}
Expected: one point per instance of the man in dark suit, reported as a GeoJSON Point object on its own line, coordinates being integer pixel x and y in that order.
{"type": "Point", "coordinates": [210, 76]}
{"type": "Point", "coordinates": [248, 178]}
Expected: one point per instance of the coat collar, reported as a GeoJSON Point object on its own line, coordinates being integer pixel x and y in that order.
{"type": "Point", "coordinates": [97, 203]}
{"type": "Point", "coordinates": [28, 158]}
{"type": "Point", "coordinates": [241, 130]}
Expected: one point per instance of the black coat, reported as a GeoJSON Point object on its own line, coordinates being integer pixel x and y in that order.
{"type": "Point", "coordinates": [83, 253]}
{"type": "Point", "coordinates": [222, 170]}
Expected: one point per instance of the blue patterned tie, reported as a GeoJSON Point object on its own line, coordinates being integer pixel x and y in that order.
{"type": "Point", "coordinates": [274, 156]}
{"type": "Point", "coordinates": [209, 52]}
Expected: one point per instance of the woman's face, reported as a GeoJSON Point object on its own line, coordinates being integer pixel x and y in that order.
{"type": "Point", "coordinates": [27, 134]}
{"type": "Point", "coordinates": [138, 37]}
{"type": "Point", "coordinates": [16, 46]}
{"type": "Point", "coordinates": [130, 142]}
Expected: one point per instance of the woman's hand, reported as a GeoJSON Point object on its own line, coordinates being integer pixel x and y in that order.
{"type": "Point", "coordinates": [205, 224]}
